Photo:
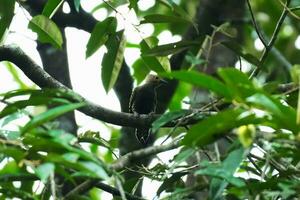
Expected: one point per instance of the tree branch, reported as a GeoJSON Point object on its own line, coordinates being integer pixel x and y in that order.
{"type": "Point", "coordinates": [35, 73]}
{"type": "Point", "coordinates": [120, 164]}
{"type": "Point", "coordinates": [126, 160]}
{"type": "Point", "coordinates": [268, 48]}
{"type": "Point", "coordinates": [260, 36]}
{"type": "Point", "coordinates": [87, 185]}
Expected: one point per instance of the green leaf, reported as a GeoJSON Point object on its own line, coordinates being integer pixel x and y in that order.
{"type": "Point", "coordinates": [62, 137]}
{"type": "Point", "coordinates": [100, 35]}
{"type": "Point", "coordinates": [236, 48]}
{"type": "Point", "coordinates": [194, 60]}
{"type": "Point", "coordinates": [238, 82]}
{"type": "Point", "coordinates": [43, 171]}
{"type": "Point", "coordinates": [10, 168]}
{"type": "Point", "coordinates": [71, 157]}
{"type": "Point", "coordinates": [16, 75]}
{"type": "Point", "coordinates": [167, 117]}
{"type": "Point", "coordinates": [228, 168]}
{"type": "Point", "coordinates": [32, 101]}
{"type": "Point", "coordinates": [77, 5]}
{"type": "Point", "coordinates": [10, 135]}
{"type": "Point", "coordinates": [246, 135]}
{"type": "Point", "coordinates": [183, 89]}
{"type": "Point", "coordinates": [51, 7]}
{"type": "Point", "coordinates": [6, 14]}
{"type": "Point", "coordinates": [47, 30]}
{"type": "Point", "coordinates": [284, 115]}
{"type": "Point", "coordinates": [232, 76]}
{"type": "Point", "coordinates": [168, 49]}
{"type": "Point", "coordinates": [46, 92]}
{"type": "Point", "coordinates": [201, 80]}
{"type": "Point", "coordinates": [8, 118]}
{"type": "Point", "coordinates": [133, 4]}
{"type": "Point", "coordinates": [295, 73]}
{"type": "Point", "coordinates": [50, 115]}
{"type": "Point", "coordinates": [158, 65]}
{"type": "Point", "coordinates": [113, 60]}
{"type": "Point", "coordinates": [95, 170]}
{"type": "Point", "coordinates": [183, 155]}
{"type": "Point", "coordinates": [140, 70]}
{"type": "Point", "coordinates": [13, 152]}
{"type": "Point", "coordinates": [171, 183]}
{"type": "Point", "coordinates": [209, 129]}
{"type": "Point", "coordinates": [159, 18]}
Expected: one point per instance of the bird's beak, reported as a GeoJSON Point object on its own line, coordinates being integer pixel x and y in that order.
{"type": "Point", "coordinates": [163, 81]}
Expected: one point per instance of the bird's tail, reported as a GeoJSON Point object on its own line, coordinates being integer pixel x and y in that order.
{"type": "Point", "coordinates": [142, 135]}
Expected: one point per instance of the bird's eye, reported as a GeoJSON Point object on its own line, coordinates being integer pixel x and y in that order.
{"type": "Point", "coordinates": [156, 78]}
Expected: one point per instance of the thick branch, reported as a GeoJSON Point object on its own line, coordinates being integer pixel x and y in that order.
{"type": "Point", "coordinates": [44, 80]}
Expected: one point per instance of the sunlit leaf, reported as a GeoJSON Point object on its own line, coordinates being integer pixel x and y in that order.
{"type": "Point", "coordinates": [10, 168]}
{"type": "Point", "coordinates": [238, 82]}
{"type": "Point", "coordinates": [94, 169]}
{"type": "Point", "coordinates": [113, 60]}
{"type": "Point", "coordinates": [6, 14]}
{"type": "Point", "coordinates": [171, 183]}
{"type": "Point", "coordinates": [211, 128]}
{"type": "Point", "coordinates": [50, 115]}
{"type": "Point", "coordinates": [77, 5]}
{"type": "Point", "coordinates": [201, 80]}
{"type": "Point", "coordinates": [246, 134]}
{"type": "Point", "coordinates": [183, 89]}
{"type": "Point", "coordinates": [47, 30]}
{"type": "Point", "coordinates": [157, 64]}
{"type": "Point", "coordinates": [100, 35]}
{"type": "Point", "coordinates": [16, 75]}
{"type": "Point", "coordinates": [14, 152]}
{"type": "Point", "coordinates": [43, 171]}
{"type": "Point", "coordinates": [168, 49]}
{"type": "Point", "coordinates": [167, 117]}
{"type": "Point", "coordinates": [51, 7]}
{"type": "Point", "coordinates": [133, 4]}
{"type": "Point", "coordinates": [228, 168]}
{"type": "Point", "coordinates": [140, 70]}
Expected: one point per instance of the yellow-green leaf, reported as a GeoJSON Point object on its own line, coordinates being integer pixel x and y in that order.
{"type": "Point", "coordinates": [113, 59]}
{"type": "Point", "coordinates": [47, 30]}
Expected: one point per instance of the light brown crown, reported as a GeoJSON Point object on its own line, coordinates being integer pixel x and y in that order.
{"type": "Point", "coordinates": [151, 78]}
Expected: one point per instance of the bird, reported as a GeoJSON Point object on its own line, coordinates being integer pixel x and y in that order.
{"type": "Point", "coordinates": [143, 100]}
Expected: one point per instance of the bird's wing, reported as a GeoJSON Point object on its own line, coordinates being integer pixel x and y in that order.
{"type": "Point", "coordinates": [132, 99]}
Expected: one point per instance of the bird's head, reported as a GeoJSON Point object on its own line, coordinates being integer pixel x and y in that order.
{"type": "Point", "coordinates": [151, 78]}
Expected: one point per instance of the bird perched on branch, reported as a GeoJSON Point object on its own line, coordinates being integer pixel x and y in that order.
{"type": "Point", "coordinates": [143, 100]}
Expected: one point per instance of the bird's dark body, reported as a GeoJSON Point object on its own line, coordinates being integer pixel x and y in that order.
{"type": "Point", "coordinates": [143, 101]}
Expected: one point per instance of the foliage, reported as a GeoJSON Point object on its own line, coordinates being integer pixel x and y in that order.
{"type": "Point", "coordinates": [255, 115]}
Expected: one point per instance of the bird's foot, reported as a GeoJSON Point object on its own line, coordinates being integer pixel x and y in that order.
{"type": "Point", "coordinates": [136, 114]}
{"type": "Point", "coordinates": [151, 114]}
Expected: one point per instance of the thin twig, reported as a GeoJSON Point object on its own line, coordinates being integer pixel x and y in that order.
{"type": "Point", "coordinates": [272, 40]}
{"type": "Point", "coordinates": [125, 160]}
{"type": "Point", "coordinates": [53, 186]}
{"type": "Point", "coordinates": [122, 163]}
{"type": "Point", "coordinates": [257, 29]}
{"type": "Point", "coordinates": [121, 189]}
{"type": "Point", "coordinates": [87, 185]}
{"type": "Point", "coordinates": [290, 10]}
